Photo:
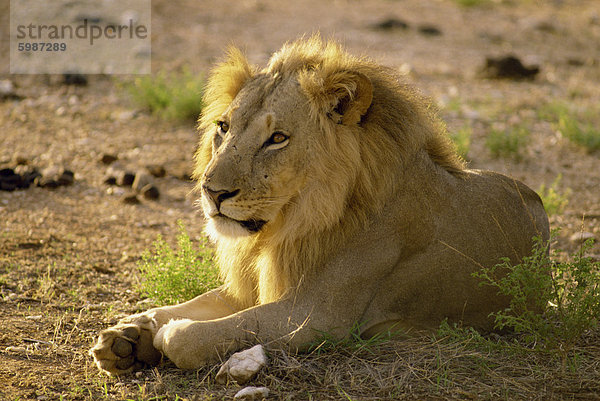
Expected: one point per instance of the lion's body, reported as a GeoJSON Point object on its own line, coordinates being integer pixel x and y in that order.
{"type": "Point", "coordinates": [334, 198]}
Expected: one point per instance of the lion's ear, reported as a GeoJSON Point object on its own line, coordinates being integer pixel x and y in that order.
{"type": "Point", "coordinates": [344, 96]}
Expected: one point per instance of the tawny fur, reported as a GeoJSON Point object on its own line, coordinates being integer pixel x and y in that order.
{"type": "Point", "coordinates": [364, 214]}
{"type": "Point", "coordinates": [262, 268]}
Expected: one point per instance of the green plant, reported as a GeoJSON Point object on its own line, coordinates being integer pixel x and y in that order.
{"type": "Point", "coordinates": [554, 200]}
{"type": "Point", "coordinates": [508, 143]}
{"type": "Point", "coordinates": [173, 96]}
{"type": "Point", "coordinates": [581, 133]}
{"type": "Point", "coordinates": [462, 140]}
{"type": "Point", "coordinates": [552, 303]}
{"type": "Point", "coordinates": [170, 276]}
{"type": "Point", "coordinates": [579, 127]}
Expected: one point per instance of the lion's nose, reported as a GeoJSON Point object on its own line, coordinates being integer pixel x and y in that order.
{"type": "Point", "coordinates": [219, 196]}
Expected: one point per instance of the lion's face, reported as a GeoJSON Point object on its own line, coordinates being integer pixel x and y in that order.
{"type": "Point", "coordinates": [261, 150]}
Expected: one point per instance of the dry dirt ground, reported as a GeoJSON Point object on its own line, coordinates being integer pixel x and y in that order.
{"type": "Point", "coordinates": [68, 256]}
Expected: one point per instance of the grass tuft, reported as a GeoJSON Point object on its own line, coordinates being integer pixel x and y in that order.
{"type": "Point", "coordinates": [580, 133]}
{"type": "Point", "coordinates": [462, 140]}
{"type": "Point", "coordinates": [579, 127]}
{"type": "Point", "coordinates": [555, 201]}
{"type": "Point", "coordinates": [508, 143]}
{"type": "Point", "coordinates": [172, 96]}
{"type": "Point", "coordinates": [172, 276]}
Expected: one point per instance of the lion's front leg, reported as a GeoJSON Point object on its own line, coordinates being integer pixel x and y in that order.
{"type": "Point", "coordinates": [193, 344]}
{"type": "Point", "coordinates": [128, 345]}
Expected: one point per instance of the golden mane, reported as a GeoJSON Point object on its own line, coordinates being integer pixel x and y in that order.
{"type": "Point", "coordinates": [365, 166]}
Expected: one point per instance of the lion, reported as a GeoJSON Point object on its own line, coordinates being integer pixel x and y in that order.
{"type": "Point", "coordinates": [335, 199]}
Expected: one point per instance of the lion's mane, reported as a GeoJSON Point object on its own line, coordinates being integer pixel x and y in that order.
{"type": "Point", "coordinates": [365, 163]}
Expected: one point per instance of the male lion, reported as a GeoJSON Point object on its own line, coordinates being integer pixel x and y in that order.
{"type": "Point", "coordinates": [334, 198]}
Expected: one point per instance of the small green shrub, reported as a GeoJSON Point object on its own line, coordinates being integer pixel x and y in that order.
{"type": "Point", "coordinates": [579, 127]}
{"type": "Point", "coordinates": [508, 143]}
{"type": "Point", "coordinates": [552, 303]}
{"type": "Point", "coordinates": [462, 140]}
{"type": "Point", "coordinates": [580, 133]}
{"type": "Point", "coordinates": [173, 96]}
{"type": "Point", "coordinates": [554, 200]}
{"type": "Point", "coordinates": [171, 276]}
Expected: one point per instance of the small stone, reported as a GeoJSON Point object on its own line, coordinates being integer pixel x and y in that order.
{"type": "Point", "coordinates": [115, 191]}
{"type": "Point", "coordinates": [252, 393]}
{"type": "Point", "coordinates": [108, 158]}
{"type": "Point", "coordinates": [61, 111]}
{"type": "Point", "coordinates": [130, 199]}
{"type": "Point", "coordinates": [156, 170]}
{"type": "Point", "coordinates": [125, 179]}
{"type": "Point", "coordinates": [390, 24]}
{"type": "Point", "coordinates": [507, 67]}
{"type": "Point", "coordinates": [67, 177]}
{"type": "Point", "coordinates": [430, 30]}
{"type": "Point", "coordinates": [141, 180]}
{"type": "Point", "coordinates": [5, 172]}
{"type": "Point", "coordinates": [581, 237]}
{"type": "Point", "coordinates": [9, 180]}
{"type": "Point", "coordinates": [46, 182]}
{"type": "Point", "coordinates": [243, 366]}
{"type": "Point", "coordinates": [7, 90]}
{"type": "Point", "coordinates": [110, 180]}
{"type": "Point", "coordinates": [150, 192]}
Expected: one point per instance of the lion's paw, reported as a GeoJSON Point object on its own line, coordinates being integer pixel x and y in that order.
{"type": "Point", "coordinates": [127, 346]}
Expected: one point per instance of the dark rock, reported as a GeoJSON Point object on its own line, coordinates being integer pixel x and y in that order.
{"type": "Point", "coordinates": [46, 182]}
{"type": "Point", "coordinates": [9, 180]}
{"type": "Point", "coordinates": [125, 178]}
{"type": "Point", "coordinates": [75, 79]}
{"type": "Point", "coordinates": [7, 172]}
{"type": "Point", "coordinates": [430, 30]}
{"type": "Point", "coordinates": [390, 24]}
{"type": "Point", "coordinates": [150, 192]}
{"type": "Point", "coordinates": [130, 199]}
{"type": "Point", "coordinates": [67, 177]}
{"type": "Point", "coordinates": [108, 158]}
{"type": "Point", "coordinates": [110, 180]}
{"type": "Point", "coordinates": [156, 170]}
{"type": "Point", "coordinates": [507, 67]}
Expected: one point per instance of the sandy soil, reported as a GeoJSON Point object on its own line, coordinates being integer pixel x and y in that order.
{"type": "Point", "coordinates": [68, 256]}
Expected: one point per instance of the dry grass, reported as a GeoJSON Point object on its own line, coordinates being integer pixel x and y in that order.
{"type": "Point", "coordinates": [453, 365]}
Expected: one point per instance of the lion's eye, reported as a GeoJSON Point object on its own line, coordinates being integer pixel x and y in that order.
{"type": "Point", "coordinates": [223, 127]}
{"type": "Point", "coordinates": [278, 138]}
